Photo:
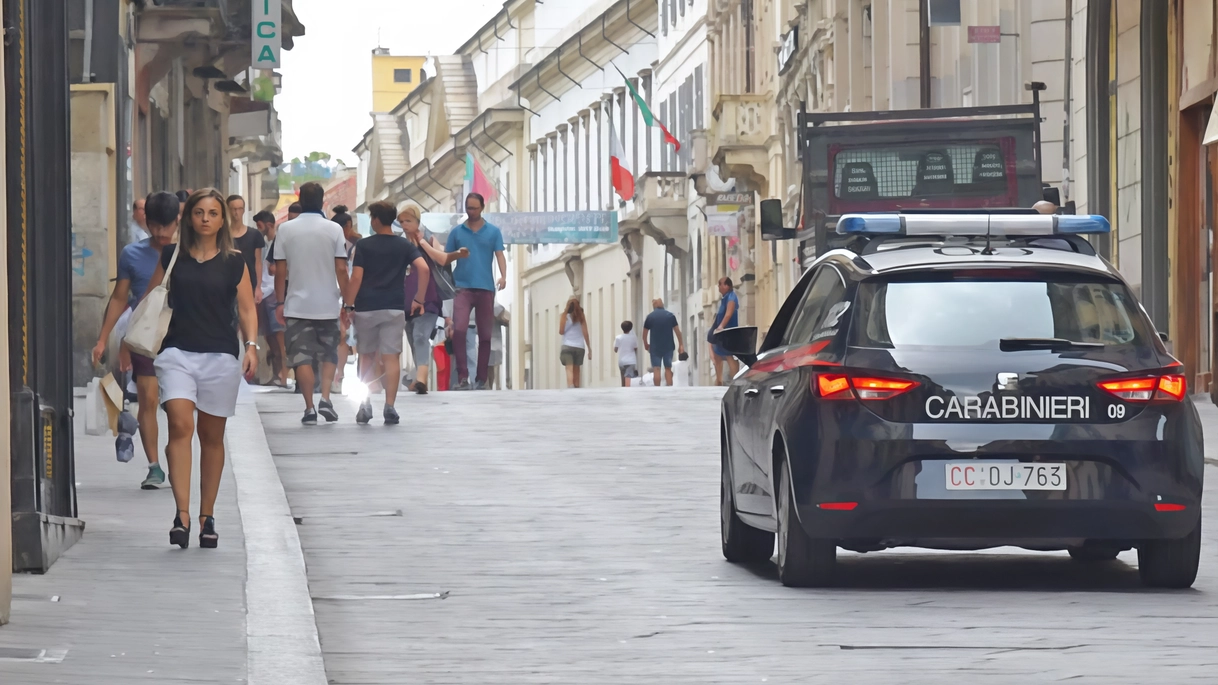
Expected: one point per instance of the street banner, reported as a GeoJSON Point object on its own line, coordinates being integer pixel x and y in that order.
{"type": "Point", "coordinates": [723, 224]}
{"type": "Point", "coordinates": [538, 228]}
{"type": "Point", "coordinates": [266, 26]}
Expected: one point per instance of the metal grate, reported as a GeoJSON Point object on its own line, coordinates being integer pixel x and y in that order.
{"type": "Point", "coordinates": [919, 171]}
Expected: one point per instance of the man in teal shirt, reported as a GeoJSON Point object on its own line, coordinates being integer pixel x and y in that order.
{"type": "Point", "coordinates": [476, 285]}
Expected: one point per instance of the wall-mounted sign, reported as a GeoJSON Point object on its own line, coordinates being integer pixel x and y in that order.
{"type": "Point", "coordinates": [786, 51]}
{"type": "Point", "coordinates": [538, 228]}
{"type": "Point", "coordinates": [985, 34]}
{"type": "Point", "coordinates": [266, 26]}
{"type": "Point", "coordinates": [723, 224]}
{"type": "Point", "coordinates": [731, 199]}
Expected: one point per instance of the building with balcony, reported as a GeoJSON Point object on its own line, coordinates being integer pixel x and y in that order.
{"type": "Point", "coordinates": [162, 98]}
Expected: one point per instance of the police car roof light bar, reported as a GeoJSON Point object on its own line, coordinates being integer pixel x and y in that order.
{"type": "Point", "coordinates": [990, 225]}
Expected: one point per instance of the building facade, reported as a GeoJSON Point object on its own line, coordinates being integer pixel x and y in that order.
{"type": "Point", "coordinates": [393, 78]}
{"type": "Point", "coordinates": [1126, 91]}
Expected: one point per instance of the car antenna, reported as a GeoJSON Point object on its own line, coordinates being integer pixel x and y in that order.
{"type": "Point", "coordinates": [989, 224]}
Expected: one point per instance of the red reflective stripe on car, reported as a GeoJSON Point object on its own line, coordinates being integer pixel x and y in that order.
{"type": "Point", "coordinates": [791, 359]}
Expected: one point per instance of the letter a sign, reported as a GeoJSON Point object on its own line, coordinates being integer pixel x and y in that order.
{"type": "Point", "coordinates": [267, 23]}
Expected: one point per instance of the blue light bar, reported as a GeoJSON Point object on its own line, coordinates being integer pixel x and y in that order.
{"type": "Point", "coordinates": [871, 224]}
{"type": "Point", "coordinates": [1083, 223]}
{"type": "Point", "coordinates": [971, 224]}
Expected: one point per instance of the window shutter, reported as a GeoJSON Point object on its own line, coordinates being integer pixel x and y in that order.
{"type": "Point", "coordinates": [699, 100]}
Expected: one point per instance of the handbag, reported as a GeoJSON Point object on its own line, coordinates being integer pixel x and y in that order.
{"type": "Point", "coordinates": [446, 287]}
{"type": "Point", "coordinates": [150, 320]}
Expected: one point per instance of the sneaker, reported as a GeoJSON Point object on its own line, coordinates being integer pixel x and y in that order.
{"type": "Point", "coordinates": [464, 385]}
{"type": "Point", "coordinates": [364, 415]}
{"type": "Point", "coordinates": [391, 417]}
{"type": "Point", "coordinates": [310, 417]}
{"type": "Point", "coordinates": [327, 410]}
{"type": "Point", "coordinates": [155, 479]}
{"type": "Point", "coordinates": [481, 385]}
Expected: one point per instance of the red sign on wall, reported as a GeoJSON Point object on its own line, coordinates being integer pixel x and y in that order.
{"type": "Point", "coordinates": [985, 34]}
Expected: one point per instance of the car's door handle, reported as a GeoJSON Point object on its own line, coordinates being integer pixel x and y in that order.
{"type": "Point", "coordinates": [777, 390]}
{"type": "Point", "coordinates": [751, 392]}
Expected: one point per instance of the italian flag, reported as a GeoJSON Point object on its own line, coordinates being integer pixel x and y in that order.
{"type": "Point", "coordinates": [619, 173]}
{"type": "Point", "coordinates": [649, 118]}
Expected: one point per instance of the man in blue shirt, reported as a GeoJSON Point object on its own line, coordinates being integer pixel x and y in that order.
{"type": "Point", "coordinates": [136, 264]}
{"type": "Point", "coordinates": [658, 330]}
{"type": "Point", "coordinates": [474, 277]}
{"type": "Point", "coordinates": [727, 317]}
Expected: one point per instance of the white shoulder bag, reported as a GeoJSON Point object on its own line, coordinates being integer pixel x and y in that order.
{"type": "Point", "coordinates": [150, 320]}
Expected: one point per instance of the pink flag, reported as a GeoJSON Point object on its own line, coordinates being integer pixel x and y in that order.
{"type": "Point", "coordinates": [476, 180]}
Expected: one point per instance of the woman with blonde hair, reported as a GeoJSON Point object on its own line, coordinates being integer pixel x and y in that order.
{"type": "Point", "coordinates": [576, 345]}
{"type": "Point", "coordinates": [201, 360]}
{"type": "Point", "coordinates": [420, 328]}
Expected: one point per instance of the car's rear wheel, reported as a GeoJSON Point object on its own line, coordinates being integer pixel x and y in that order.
{"type": "Point", "coordinates": [742, 543]}
{"type": "Point", "coordinates": [1170, 563]}
{"type": "Point", "coordinates": [803, 561]}
{"type": "Point", "coordinates": [1094, 554]}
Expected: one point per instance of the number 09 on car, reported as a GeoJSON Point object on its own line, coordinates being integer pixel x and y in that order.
{"type": "Point", "coordinates": [982, 476]}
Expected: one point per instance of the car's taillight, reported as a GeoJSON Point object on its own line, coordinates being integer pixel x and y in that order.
{"type": "Point", "coordinates": [1170, 387]}
{"type": "Point", "coordinates": [833, 386]}
{"type": "Point", "coordinates": [840, 386]}
{"type": "Point", "coordinates": [1173, 386]}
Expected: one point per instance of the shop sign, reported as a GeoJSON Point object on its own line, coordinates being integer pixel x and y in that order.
{"type": "Point", "coordinates": [266, 26]}
{"type": "Point", "coordinates": [786, 51]}
{"type": "Point", "coordinates": [723, 224]}
{"type": "Point", "coordinates": [537, 228]}
{"type": "Point", "coordinates": [985, 34]}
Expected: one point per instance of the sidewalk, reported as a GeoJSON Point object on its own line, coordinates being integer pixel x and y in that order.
{"type": "Point", "coordinates": [122, 606]}
{"type": "Point", "coordinates": [1209, 423]}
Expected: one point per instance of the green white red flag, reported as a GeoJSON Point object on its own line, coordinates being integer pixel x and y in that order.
{"type": "Point", "coordinates": [648, 117]}
{"type": "Point", "coordinates": [619, 173]}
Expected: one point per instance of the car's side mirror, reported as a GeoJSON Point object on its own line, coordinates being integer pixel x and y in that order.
{"type": "Point", "coordinates": [1053, 195]}
{"type": "Point", "coordinates": [740, 342]}
{"type": "Point", "coordinates": [771, 220]}
{"type": "Point", "coordinates": [1163, 337]}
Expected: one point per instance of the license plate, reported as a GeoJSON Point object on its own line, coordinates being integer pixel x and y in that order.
{"type": "Point", "coordinates": [980, 476]}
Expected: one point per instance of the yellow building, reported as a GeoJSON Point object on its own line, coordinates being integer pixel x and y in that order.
{"type": "Point", "coordinates": [393, 78]}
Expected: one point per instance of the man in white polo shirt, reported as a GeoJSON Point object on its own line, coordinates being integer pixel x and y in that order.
{"type": "Point", "coordinates": [310, 276]}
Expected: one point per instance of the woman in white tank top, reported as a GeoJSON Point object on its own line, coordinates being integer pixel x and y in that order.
{"type": "Point", "coordinates": [573, 327]}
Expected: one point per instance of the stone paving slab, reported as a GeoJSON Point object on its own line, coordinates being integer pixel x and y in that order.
{"type": "Point", "coordinates": [576, 534]}
{"type": "Point", "coordinates": [131, 608]}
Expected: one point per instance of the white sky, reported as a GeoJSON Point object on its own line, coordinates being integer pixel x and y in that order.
{"type": "Point", "coordinates": [327, 76]}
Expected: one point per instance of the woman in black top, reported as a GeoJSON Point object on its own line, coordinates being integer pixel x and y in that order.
{"type": "Point", "coordinates": [202, 358]}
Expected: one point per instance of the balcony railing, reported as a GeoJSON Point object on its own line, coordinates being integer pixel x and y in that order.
{"type": "Point", "coordinates": [662, 206]}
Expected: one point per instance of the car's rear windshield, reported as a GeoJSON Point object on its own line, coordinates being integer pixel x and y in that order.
{"type": "Point", "coordinates": [972, 308]}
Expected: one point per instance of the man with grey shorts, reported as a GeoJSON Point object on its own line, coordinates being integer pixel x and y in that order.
{"type": "Point", "coordinates": [376, 302]}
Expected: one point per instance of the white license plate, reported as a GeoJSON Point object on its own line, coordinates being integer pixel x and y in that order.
{"type": "Point", "coordinates": [963, 475]}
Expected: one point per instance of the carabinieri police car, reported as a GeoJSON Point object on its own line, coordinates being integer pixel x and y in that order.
{"type": "Point", "coordinates": [960, 381]}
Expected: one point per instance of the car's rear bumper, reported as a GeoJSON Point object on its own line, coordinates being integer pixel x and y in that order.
{"type": "Point", "coordinates": [896, 522]}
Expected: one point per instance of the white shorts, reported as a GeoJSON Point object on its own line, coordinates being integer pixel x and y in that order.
{"type": "Point", "coordinates": [209, 379]}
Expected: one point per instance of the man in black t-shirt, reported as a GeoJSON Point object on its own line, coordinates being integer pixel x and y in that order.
{"type": "Point", "coordinates": [376, 303]}
{"type": "Point", "coordinates": [248, 241]}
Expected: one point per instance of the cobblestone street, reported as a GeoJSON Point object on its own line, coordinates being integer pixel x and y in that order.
{"type": "Point", "coordinates": [572, 537]}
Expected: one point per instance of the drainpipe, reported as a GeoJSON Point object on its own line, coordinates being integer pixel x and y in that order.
{"type": "Point", "coordinates": [1066, 102]}
{"type": "Point", "coordinates": [86, 74]}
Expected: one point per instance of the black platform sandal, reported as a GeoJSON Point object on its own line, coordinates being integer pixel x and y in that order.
{"type": "Point", "coordinates": [207, 537]}
{"type": "Point", "coordinates": [180, 533]}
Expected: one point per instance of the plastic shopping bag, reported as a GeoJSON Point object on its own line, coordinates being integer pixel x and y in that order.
{"type": "Point", "coordinates": [95, 409]}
